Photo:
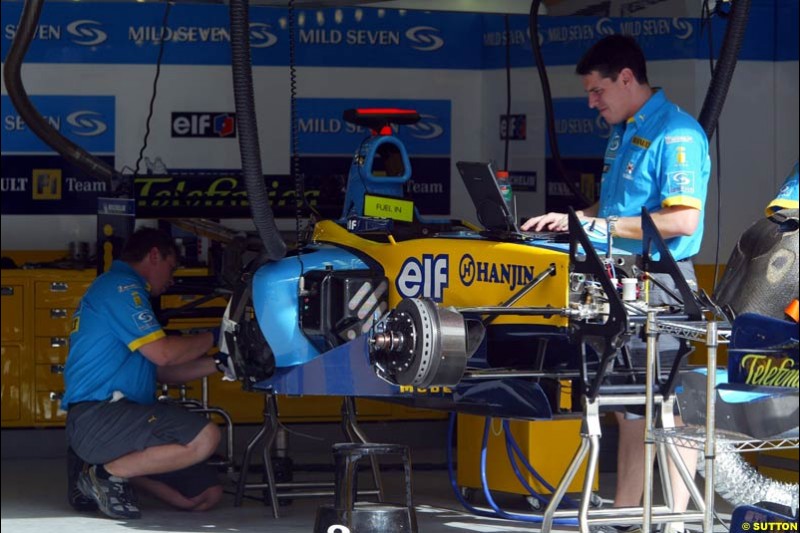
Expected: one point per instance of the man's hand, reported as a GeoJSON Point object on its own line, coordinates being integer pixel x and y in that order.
{"type": "Point", "coordinates": [549, 222]}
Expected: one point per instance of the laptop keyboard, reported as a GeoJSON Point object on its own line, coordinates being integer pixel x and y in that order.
{"type": "Point", "coordinates": [552, 236]}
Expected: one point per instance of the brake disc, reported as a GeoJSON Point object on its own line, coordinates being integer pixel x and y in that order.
{"type": "Point", "coordinates": [421, 344]}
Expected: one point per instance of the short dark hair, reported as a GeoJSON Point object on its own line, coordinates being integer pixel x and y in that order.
{"type": "Point", "coordinates": [610, 55]}
{"type": "Point", "coordinates": [143, 240]}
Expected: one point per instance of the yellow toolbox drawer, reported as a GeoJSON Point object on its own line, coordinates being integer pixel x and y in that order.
{"type": "Point", "coordinates": [11, 383]}
{"type": "Point", "coordinates": [48, 404]}
{"type": "Point", "coordinates": [12, 318]}
{"type": "Point", "coordinates": [50, 377]}
{"type": "Point", "coordinates": [54, 322]}
{"type": "Point", "coordinates": [59, 293]}
{"type": "Point", "coordinates": [51, 349]}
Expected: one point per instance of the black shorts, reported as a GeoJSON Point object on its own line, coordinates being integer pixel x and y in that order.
{"type": "Point", "coordinates": [667, 345]}
{"type": "Point", "coordinates": [100, 432]}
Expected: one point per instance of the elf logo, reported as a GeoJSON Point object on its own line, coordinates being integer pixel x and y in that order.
{"type": "Point", "coordinates": [427, 278]}
{"type": "Point", "coordinates": [205, 125]}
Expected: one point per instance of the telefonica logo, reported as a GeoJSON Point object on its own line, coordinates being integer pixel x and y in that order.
{"type": "Point", "coordinates": [86, 32]}
{"type": "Point", "coordinates": [260, 36]}
{"type": "Point", "coordinates": [603, 27]}
{"type": "Point", "coordinates": [424, 38]}
{"type": "Point", "coordinates": [426, 128]}
{"type": "Point", "coordinates": [86, 123]}
{"type": "Point", "coordinates": [683, 28]}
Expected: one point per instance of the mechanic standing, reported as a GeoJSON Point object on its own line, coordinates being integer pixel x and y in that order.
{"type": "Point", "coordinates": [656, 157]}
{"type": "Point", "coordinates": [114, 423]}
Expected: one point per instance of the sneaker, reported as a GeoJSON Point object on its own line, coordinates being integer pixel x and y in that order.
{"type": "Point", "coordinates": [111, 495]}
{"type": "Point", "coordinates": [75, 497]}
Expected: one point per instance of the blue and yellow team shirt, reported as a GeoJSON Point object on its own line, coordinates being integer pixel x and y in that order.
{"type": "Point", "coordinates": [114, 319]}
{"type": "Point", "coordinates": [787, 197]}
{"type": "Point", "coordinates": [658, 158]}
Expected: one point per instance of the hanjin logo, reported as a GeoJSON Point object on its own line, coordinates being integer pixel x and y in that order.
{"type": "Point", "coordinates": [86, 123]}
{"type": "Point", "coordinates": [426, 128]}
{"type": "Point", "coordinates": [424, 38]}
{"type": "Point", "coordinates": [85, 33]}
{"type": "Point", "coordinates": [206, 125]}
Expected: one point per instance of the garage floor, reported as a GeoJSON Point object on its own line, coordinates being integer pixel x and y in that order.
{"type": "Point", "coordinates": [33, 500]}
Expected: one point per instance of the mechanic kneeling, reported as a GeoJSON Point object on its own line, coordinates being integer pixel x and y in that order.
{"type": "Point", "coordinates": [118, 352]}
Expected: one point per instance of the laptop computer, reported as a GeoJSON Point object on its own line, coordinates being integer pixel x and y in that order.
{"type": "Point", "coordinates": [493, 212]}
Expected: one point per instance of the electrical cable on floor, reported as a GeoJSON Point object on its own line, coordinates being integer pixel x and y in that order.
{"type": "Point", "coordinates": [164, 22]}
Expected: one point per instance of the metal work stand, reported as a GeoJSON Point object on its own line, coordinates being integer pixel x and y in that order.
{"type": "Point", "coordinates": [590, 446]}
{"type": "Point", "coordinates": [274, 491]}
{"type": "Point", "coordinates": [699, 438]}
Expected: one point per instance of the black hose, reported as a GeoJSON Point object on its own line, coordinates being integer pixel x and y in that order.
{"type": "Point", "coordinates": [533, 27]}
{"type": "Point", "coordinates": [249, 147]}
{"type": "Point", "coordinates": [723, 73]}
{"type": "Point", "coordinates": [12, 76]}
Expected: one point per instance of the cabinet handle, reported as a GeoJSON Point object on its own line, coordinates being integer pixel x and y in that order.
{"type": "Point", "coordinates": [55, 396]}
{"type": "Point", "coordinates": [58, 313]}
{"type": "Point", "coordinates": [8, 291]}
{"type": "Point", "coordinates": [58, 342]}
{"type": "Point", "coordinates": [59, 286]}
{"type": "Point", "coordinates": [56, 369]}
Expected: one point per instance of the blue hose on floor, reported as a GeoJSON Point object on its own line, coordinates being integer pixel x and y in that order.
{"type": "Point", "coordinates": [498, 513]}
{"type": "Point", "coordinates": [512, 449]}
{"type": "Point", "coordinates": [451, 473]}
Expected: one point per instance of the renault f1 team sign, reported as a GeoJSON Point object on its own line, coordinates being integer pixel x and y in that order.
{"type": "Point", "coordinates": [36, 180]}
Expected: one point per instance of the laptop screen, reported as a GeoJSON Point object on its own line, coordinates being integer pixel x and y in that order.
{"type": "Point", "coordinates": [492, 210]}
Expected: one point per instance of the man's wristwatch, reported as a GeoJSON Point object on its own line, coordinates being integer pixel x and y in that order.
{"type": "Point", "coordinates": [611, 225]}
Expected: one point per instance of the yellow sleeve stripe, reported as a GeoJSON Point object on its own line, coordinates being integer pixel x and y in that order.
{"type": "Point", "coordinates": [141, 341]}
{"type": "Point", "coordinates": [686, 201]}
{"type": "Point", "coordinates": [778, 204]}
